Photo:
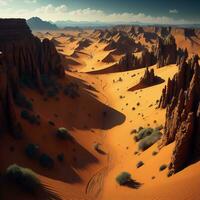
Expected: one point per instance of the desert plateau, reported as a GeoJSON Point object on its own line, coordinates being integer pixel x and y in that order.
{"type": "Point", "coordinates": [102, 107]}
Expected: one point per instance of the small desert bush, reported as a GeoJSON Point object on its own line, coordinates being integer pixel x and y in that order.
{"type": "Point", "coordinates": [162, 167]}
{"type": "Point", "coordinates": [46, 161]}
{"type": "Point", "coordinates": [29, 117]}
{"type": "Point", "coordinates": [123, 178]}
{"type": "Point", "coordinates": [32, 151]}
{"type": "Point", "coordinates": [143, 133]}
{"type": "Point", "coordinates": [22, 101]}
{"type": "Point", "coordinates": [72, 90]}
{"type": "Point", "coordinates": [25, 178]}
{"type": "Point", "coordinates": [149, 140]}
{"type": "Point", "coordinates": [139, 164]}
{"type": "Point", "coordinates": [63, 134]}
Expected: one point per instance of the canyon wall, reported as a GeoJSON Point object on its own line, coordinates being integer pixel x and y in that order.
{"type": "Point", "coordinates": [22, 55]}
{"type": "Point", "coordinates": [181, 97]}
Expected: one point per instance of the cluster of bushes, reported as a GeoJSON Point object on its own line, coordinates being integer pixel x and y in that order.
{"type": "Point", "coordinates": [123, 178]}
{"type": "Point", "coordinates": [25, 178]}
{"type": "Point", "coordinates": [22, 101]}
{"type": "Point", "coordinates": [63, 134]}
{"type": "Point", "coordinates": [33, 119]}
{"type": "Point", "coordinates": [143, 133]}
{"type": "Point", "coordinates": [33, 152]}
{"type": "Point", "coordinates": [72, 90]}
{"type": "Point", "coordinates": [147, 137]}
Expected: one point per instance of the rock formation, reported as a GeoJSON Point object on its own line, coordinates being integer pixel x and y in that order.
{"type": "Point", "coordinates": [22, 55]}
{"type": "Point", "coordinates": [129, 61]}
{"type": "Point", "coordinates": [149, 78]}
{"type": "Point", "coordinates": [166, 51]}
{"type": "Point", "coordinates": [182, 99]}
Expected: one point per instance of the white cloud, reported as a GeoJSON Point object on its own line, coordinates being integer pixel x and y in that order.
{"type": "Point", "coordinates": [30, 1]}
{"type": "Point", "coordinates": [61, 12]}
{"type": "Point", "coordinates": [173, 11]}
{"type": "Point", "coordinates": [4, 2]}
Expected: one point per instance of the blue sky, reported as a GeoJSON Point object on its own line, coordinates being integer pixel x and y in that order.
{"type": "Point", "coordinates": [171, 11]}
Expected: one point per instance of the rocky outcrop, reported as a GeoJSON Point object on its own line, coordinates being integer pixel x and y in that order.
{"type": "Point", "coordinates": [22, 55]}
{"type": "Point", "coordinates": [166, 51]}
{"type": "Point", "coordinates": [149, 78]}
{"type": "Point", "coordinates": [182, 55]}
{"type": "Point", "coordinates": [129, 61]}
{"type": "Point", "coordinates": [182, 99]}
{"type": "Point", "coordinates": [26, 54]}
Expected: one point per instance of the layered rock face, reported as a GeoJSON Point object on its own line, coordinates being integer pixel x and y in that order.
{"type": "Point", "coordinates": [182, 99]}
{"type": "Point", "coordinates": [166, 51]}
{"type": "Point", "coordinates": [22, 55]}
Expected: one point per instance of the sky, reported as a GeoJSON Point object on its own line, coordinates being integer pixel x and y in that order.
{"type": "Point", "coordinates": [111, 11]}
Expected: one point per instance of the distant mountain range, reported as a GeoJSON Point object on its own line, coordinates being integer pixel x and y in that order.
{"type": "Point", "coordinates": [35, 23]}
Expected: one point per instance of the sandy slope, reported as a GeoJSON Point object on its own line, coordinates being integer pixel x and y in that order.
{"type": "Point", "coordinates": [86, 174]}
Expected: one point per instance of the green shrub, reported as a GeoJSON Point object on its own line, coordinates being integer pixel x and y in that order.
{"type": "Point", "coordinates": [149, 140]}
{"type": "Point", "coordinates": [63, 134]}
{"type": "Point", "coordinates": [143, 133]}
{"type": "Point", "coordinates": [22, 101]}
{"type": "Point", "coordinates": [46, 161]}
{"type": "Point", "coordinates": [25, 114]}
{"type": "Point", "coordinates": [123, 178]}
{"type": "Point", "coordinates": [32, 151]}
{"type": "Point", "coordinates": [31, 118]}
{"type": "Point", "coordinates": [162, 167]}
{"type": "Point", "coordinates": [139, 164]}
{"type": "Point", "coordinates": [25, 178]}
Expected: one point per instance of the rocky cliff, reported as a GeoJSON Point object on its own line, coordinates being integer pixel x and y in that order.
{"type": "Point", "coordinates": [22, 55]}
{"type": "Point", "coordinates": [181, 96]}
{"type": "Point", "coordinates": [166, 51]}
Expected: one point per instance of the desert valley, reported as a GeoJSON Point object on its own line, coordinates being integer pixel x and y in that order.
{"type": "Point", "coordinates": [99, 113]}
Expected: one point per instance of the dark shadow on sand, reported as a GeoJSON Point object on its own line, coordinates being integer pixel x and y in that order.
{"type": "Point", "coordinates": [133, 184]}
